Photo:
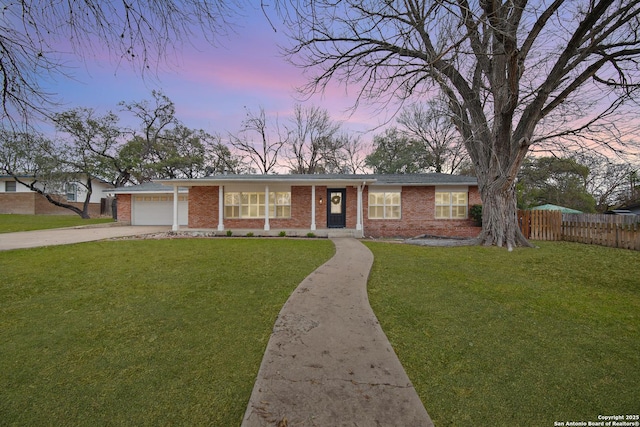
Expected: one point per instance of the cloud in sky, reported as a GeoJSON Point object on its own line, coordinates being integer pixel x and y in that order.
{"type": "Point", "coordinates": [212, 86]}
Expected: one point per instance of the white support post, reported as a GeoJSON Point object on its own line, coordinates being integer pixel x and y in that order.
{"type": "Point", "coordinates": [313, 207]}
{"type": "Point", "coordinates": [176, 222]}
{"type": "Point", "coordinates": [221, 208]}
{"type": "Point", "coordinates": [359, 209]}
{"type": "Point", "coordinates": [267, 227]}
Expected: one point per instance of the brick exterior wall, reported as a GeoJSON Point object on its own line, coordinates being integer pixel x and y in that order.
{"type": "Point", "coordinates": [418, 217]}
{"type": "Point", "coordinates": [203, 207]}
{"type": "Point", "coordinates": [32, 203]}
{"type": "Point", "coordinates": [18, 203]}
{"type": "Point", "coordinates": [418, 213]}
{"type": "Point", "coordinates": [124, 208]}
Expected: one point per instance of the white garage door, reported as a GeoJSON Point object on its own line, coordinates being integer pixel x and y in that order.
{"type": "Point", "coordinates": [154, 209]}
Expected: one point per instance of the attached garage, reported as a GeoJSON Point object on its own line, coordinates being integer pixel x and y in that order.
{"type": "Point", "coordinates": [157, 209]}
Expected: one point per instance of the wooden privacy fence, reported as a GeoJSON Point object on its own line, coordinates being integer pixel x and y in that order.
{"type": "Point", "coordinates": [541, 225]}
{"type": "Point", "coordinates": [617, 231]}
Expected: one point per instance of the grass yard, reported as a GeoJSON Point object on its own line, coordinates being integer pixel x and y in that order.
{"type": "Point", "coordinates": [10, 223]}
{"type": "Point", "coordinates": [152, 332]}
{"type": "Point", "coordinates": [525, 338]}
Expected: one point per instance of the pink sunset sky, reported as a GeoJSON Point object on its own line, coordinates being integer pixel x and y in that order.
{"type": "Point", "coordinates": [212, 86]}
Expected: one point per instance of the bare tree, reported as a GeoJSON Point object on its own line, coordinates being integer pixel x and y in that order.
{"type": "Point", "coordinates": [512, 72]}
{"type": "Point", "coordinates": [352, 158]}
{"type": "Point", "coordinates": [431, 125]}
{"type": "Point", "coordinates": [262, 153]}
{"type": "Point", "coordinates": [311, 144]}
{"type": "Point", "coordinates": [220, 160]}
{"type": "Point", "coordinates": [37, 37]}
{"type": "Point", "coordinates": [608, 181]}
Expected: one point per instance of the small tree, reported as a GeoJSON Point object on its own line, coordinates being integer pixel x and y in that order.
{"type": "Point", "coordinates": [82, 154]}
{"type": "Point", "coordinates": [558, 181]}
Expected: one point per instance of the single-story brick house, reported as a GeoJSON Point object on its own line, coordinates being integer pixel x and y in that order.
{"type": "Point", "coordinates": [359, 205]}
{"type": "Point", "coordinates": [16, 198]}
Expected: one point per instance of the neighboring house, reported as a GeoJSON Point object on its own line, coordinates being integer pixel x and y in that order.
{"type": "Point", "coordinates": [361, 205]}
{"type": "Point", "coordinates": [16, 198]}
{"type": "Point", "coordinates": [630, 209]}
{"type": "Point", "coordinates": [550, 207]}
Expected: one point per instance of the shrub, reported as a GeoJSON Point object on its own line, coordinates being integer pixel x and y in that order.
{"type": "Point", "coordinates": [282, 233]}
{"type": "Point", "coordinates": [475, 212]}
{"type": "Point", "coordinates": [250, 234]}
{"type": "Point", "coordinates": [311, 235]}
{"type": "Point", "coordinates": [229, 233]}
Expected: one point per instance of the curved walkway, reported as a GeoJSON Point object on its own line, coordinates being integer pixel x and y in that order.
{"type": "Point", "coordinates": [328, 362]}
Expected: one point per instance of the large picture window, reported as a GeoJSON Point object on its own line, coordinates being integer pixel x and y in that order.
{"type": "Point", "coordinates": [451, 205]}
{"type": "Point", "coordinates": [384, 205]}
{"type": "Point", "coordinates": [252, 205]}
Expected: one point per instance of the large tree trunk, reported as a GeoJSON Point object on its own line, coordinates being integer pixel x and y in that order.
{"type": "Point", "coordinates": [500, 216]}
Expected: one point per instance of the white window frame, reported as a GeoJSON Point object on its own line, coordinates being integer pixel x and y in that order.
{"type": "Point", "coordinates": [14, 186]}
{"type": "Point", "coordinates": [71, 189]}
{"type": "Point", "coordinates": [251, 204]}
{"type": "Point", "coordinates": [450, 205]}
{"type": "Point", "coordinates": [386, 205]}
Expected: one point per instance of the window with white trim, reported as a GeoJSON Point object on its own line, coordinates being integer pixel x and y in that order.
{"type": "Point", "coordinates": [71, 192]}
{"type": "Point", "coordinates": [385, 205]}
{"type": "Point", "coordinates": [252, 205]}
{"type": "Point", "coordinates": [10, 186]}
{"type": "Point", "coordinates": [451, 205]}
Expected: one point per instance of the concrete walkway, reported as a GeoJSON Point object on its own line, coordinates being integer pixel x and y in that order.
{"type": "Point", "coordinates": [65, 236]}
{"type": "Point", "coordinates": [328, 362]}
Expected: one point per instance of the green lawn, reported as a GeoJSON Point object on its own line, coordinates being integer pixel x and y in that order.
{"type": "Point", "coordinates": [168, 332]}
{"type": "Point", "coordinates": [10, 223]}
{"type": "Point", "coordinates": [172, 332]}
{"type": "Point", "coordinates": [526, 338]}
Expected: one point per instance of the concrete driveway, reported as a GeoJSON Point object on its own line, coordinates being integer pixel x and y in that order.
{"type": "Point", "coordinates": [65, 236]}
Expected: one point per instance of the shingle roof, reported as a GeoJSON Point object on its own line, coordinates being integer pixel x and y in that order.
{"type": "Point", "coordinates": [147, 187]}
{"type": "Point", "coordinates": [166, 185]}
{"type": "Point", "coordinates": [409, 179]}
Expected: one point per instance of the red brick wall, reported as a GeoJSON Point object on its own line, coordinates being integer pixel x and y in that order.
{"type": "Point", "coordinates": [203, 207]}
{"type": "Point", "coordinates": [124, 208]}
{"type": "Point", "coordinates": [418, 217]}
{"type": "Point", "coordinates": [300, 210]}
{"type": "Point", "coordinates": [474, 196]}
{"type": "Point", "coordinates": [418, 213]}
{"type": "Point", "coordinates": [321, 209]}
{"type": "Point", "coordinates": [352, 207]}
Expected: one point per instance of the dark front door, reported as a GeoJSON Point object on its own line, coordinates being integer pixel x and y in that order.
{"type": "Point", "coordinates": [336, 208]}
